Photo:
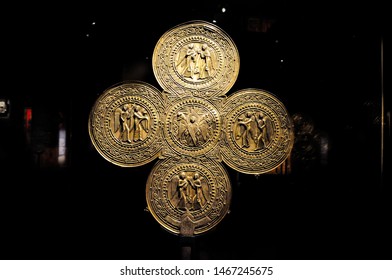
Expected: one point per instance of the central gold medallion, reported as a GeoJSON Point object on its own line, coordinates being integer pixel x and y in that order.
{"type": "Point", "coordinates": [192, 126]}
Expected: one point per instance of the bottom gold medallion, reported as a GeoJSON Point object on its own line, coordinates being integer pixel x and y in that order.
{"type": "Point", "coordinates": [188, 196]}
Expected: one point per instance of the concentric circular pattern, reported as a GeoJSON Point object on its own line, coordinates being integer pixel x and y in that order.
{"type": "Point", "coordinates": [198, 190]}
{"type": "Point", "coordinates": [192, 126]}
{"type": "Point", "coordinates": [196, 58]}
{"type": "Point", "coordinates": [124, 124]}
{"type": "Point", "coordinates": [258, 132]}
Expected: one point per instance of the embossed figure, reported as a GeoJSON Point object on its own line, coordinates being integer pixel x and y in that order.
{"type": "Point", "coordinates": [182, 193]}
{"type": "Point", "coordinates": [123, 122]}
{"type": "Point", "coordinates": [199, 198]}
{"type": "Point", "coordinates": [246, 129]}
{"type": "Point", "coordinates": [125, 119]}
{"type": "Point", "coordinates": [195, 62]}
{"type": "Point", "coordinates": [265, 134]}
{"type": "Point", "coordinates": [188, 191]}
{"type": "Point", "coordinates": [205, 62]}
{"type": "Point", "coordinates": [180, 126]}
{"type": "Point", "coordinates": [254, 131]}
{"type": "Point", "coordinates": [206, 130]}
{"type": "Point", "coordinates": [192, 128]}
{"type": "Point", "coordinates": [141, 123]}
{"type": "Point", "coordinates": [190, 58]}
{"type": "Point", "coordinates": [131, 123]}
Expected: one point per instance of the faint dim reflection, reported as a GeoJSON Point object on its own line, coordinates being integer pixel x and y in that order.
{"type": "Point", "coordinates": [311, 145]}
{"type": "Point", "coordinates": [62, 147]}
{"type": "Point", "coordinates": [324, 149]}
{"type": "Point", "coordinates": [137, 70]}
{"type": "Point", "coordinates": [257, 24]}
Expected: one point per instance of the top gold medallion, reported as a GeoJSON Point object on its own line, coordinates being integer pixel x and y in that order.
{"type": "Point", "coordinates": [196, 58]}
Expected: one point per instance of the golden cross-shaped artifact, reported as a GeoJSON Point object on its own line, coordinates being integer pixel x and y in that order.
{"type": "Point", "coordinates": [191, 127]}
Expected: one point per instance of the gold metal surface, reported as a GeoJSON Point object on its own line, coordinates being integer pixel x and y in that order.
{"type": "Point", "coordinates": [124, 124]}
{"type": "Point", "coordinates": [187, 195]}
{"type": "Point", "coordinates": [196, 58]}
{"type": "Point", "coordinates": [191, 127]}
{"type": "Point", "coordinates": [259, 132]}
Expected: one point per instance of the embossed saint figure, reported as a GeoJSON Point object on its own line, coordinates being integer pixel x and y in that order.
{"type": "Point", "coordinates": [188, 64]}
{"type": "Point", "coordinates": [205, 128]}
{"type": "Point", "coordinates": [195, 62]}
{"type": "Point", "coordinates": [123, 122]}
{"type": "Point", "coordinates": [246, 129]}
{"type": "Point", "coordinates": [192, 128]}
{"type": "Point", "coordinates": [188, 192]}
{"type": "Point", "coordinates": [141, 123]}
{"type": "Point", "coordinates": [254, 131]}
{"type": "Point", "coordinates": [205, 62]}
{"type": "Point", "coordinates": [199, 198]}
{"type": "Point", "coordinates": [180, 126]}
{"type": "Point", "coordinates": [180, 192]}
{"type": "Point", "coordinates": [266, 131]}
{"type": "Point", "coordinates": [131, 123]}
{"type": "Point", "coordinates": [183, 191]}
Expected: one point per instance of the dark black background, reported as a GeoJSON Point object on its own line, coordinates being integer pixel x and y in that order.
{"type": "Point", "coordinates": [323, 61]}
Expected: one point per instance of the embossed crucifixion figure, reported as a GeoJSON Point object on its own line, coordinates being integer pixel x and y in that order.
{"type": "Point", "coordinates": [191, 128]}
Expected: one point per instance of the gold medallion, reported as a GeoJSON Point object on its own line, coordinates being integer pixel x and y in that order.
{"type": "Point", "coordinates": [258, 131]}
{"type": "Point", "coordinates": [124, 124]}
{"type": "Point", "coordinates": [188, 196]}
{"type": "Point", "coordinates": [192, 126]}
{"type": "Point", "coordinates": [196, 58]}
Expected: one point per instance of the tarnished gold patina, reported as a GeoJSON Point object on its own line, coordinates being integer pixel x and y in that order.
{"type": "Point", "coordinates": [188, 195]}
{"type": "Point", "coordinates": [258, 131]}
{"type": "Point", "coordinates": [191, 127]}
{"type": "Point", "coordinates": [196, 58]}
{"type": "Point", "coordinates": [124, 124]}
